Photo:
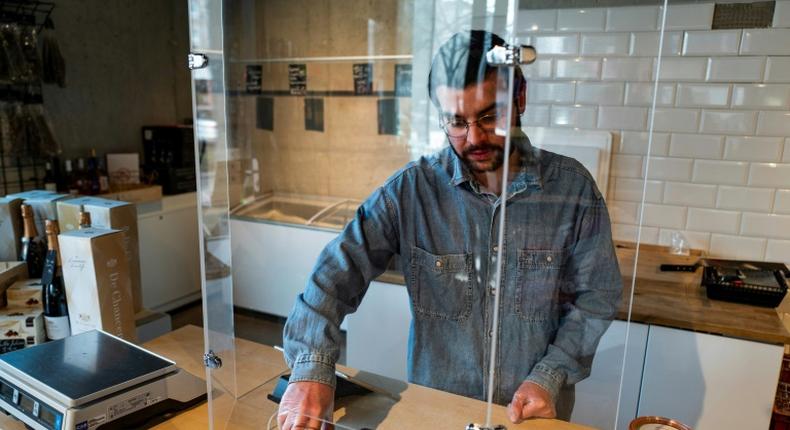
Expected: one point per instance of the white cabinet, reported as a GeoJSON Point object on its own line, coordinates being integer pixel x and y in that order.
{"type": "Point", "coordinates": [272, 262]}
{"type": "Point", "coordinates": [596, 396]}
{"type": "Point", "coordinates": [378, 332]}
{"type": "Point", "coordinates": [169, 252]}
{"type": "Point", "coordinates": [709, 382]}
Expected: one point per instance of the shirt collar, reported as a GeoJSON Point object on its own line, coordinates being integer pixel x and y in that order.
{"type": "Point", "coordinates": [529, 171]}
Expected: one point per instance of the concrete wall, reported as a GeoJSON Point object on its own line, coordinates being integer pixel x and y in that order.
{"type": "Point", "coordinates": [125, 67]}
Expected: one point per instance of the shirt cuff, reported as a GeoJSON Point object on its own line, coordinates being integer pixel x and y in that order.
{"type": "Point", "coordinates": [548, 379]}
{"type": "Point", "coordinates": [313, 368]}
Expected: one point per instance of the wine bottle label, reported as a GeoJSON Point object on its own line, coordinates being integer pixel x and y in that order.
{"type": "Point", "coordinates": [57, 327]}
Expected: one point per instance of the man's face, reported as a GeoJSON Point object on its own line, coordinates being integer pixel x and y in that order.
{"type": "Point", "coordinates": [482, 150]}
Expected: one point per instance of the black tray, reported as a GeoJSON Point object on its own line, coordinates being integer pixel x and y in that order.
{"type": "Point", "coordinates": [761, 284]}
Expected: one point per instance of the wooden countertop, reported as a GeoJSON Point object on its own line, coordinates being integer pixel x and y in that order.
{"type": "Point", "coordinates": [258, 368]}
{"type": "Point", "coordinates": [686, 306]}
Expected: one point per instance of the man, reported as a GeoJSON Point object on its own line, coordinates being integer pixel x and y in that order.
{"type": "Point", "coordinates": [560, 284]}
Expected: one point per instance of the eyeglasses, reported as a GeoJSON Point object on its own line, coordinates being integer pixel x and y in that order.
{"type": "Point", "coordinates": [458, 127]}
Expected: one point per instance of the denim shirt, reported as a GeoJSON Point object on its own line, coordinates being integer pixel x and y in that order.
{"type": "Point", "coordinates": [559, 289]}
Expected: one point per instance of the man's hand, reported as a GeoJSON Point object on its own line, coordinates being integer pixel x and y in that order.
{"type": "Point", "coordinates": [530, 401]}
{"type": "Point", "coordinates": [303, 403]}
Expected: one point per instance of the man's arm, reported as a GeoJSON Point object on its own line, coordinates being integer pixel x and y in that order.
{"type": "Point", "coordinates": [592, 281]}
{"type": "Point", "coordinates": [335, 288]}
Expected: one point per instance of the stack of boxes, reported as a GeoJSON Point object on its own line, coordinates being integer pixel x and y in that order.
{"type": "Point", "coordinates": [101, 268]}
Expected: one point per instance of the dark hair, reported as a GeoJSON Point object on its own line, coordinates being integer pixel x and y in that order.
{"type": "Point", "coordinates": [461, 62]}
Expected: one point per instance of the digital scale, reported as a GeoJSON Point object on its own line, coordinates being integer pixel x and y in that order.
{"type": "Point", "coordinates": [93, 381]}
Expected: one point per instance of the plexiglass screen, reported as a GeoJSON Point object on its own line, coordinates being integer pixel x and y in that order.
{"type": "Point", "coordinates": [425, 213]}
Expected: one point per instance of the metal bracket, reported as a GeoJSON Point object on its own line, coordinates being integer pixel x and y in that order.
{"type": "Point", "coordinates": [473, 426]}
{"type": "Point", "coordinates": [510, 55]}
{"type": "Point", "coordinates": [196, 60]}
{"type": "Point", "coordinates": [211, 360]}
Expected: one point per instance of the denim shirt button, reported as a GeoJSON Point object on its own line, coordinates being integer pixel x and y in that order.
{"type": "Point", "coordinates": [496, 248]}
{"type": "Point", "coordinates": [438, 263]}
{"type": "Point", "coordinates": [548, 258]}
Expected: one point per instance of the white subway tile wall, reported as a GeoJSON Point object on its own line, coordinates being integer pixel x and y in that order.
{"type": "Point", "coordinates": [720, 172]}
{"type": "Point", "coordinates": [773, 124]}
{"type": "Point", "coordinates": [767, 41]}
{"type": "Point", "coordinates": [686, 194]}
{"type": "Point", "coordinates": [735, 69]}
{"type": "Point", "coordinates": [645, 44]}
{"type": "Point", "coordinates": [637, 143]}
{"type": "Point", "coordinates": [782, 14]}
{"type": "Point", "coordinates": [593, 19]}
{"type": "Point", "coordinates": [714, 220]}
{"type": "Point", "coordinates": [703, 95]}
{"type": "Point", "coordinates": [745, 198]}
{"type": "Point", "coordinates": [696, 146]}
{"type": "Point", "coordinates": [682, 69]}
{"type": "Point", "coordinates": [777, 69]}
{"type": "Point", "coordinates": [716, 42]}
{"type": "Point", "coordinates": [632, 18]}
{"type": "Point", "coordinates": [750, 148]}
{"type": "Point", "coordinates": [689, 16]}
{"type": "Point", "coordinates": [603, 93]}
{"type": "Point", "coordinates": [723, 121]}
{"type": "Point", "coordinates": [577, 68]}
{"type": "Point", "coordinates": [737, 247]}
{"type": "Point", "coordinates": [719, 169]}
{"type": "Point", "coordinates": [605, 44]}
{"type": "Point", "coordinates": [782, 203]}
{"type": "Point", "coordinates": [641, 94]}
{"type": "Point", "coordinates": [573, 116]}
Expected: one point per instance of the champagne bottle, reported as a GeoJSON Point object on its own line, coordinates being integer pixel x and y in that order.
{"type": "Point", "coordinates": [33, 249]}
{"type": "Point", "coordinates": [50, 183]}
{"type": "Point", "coordinates": [85, 218]}
{"type": "Point", "coordinates": [56, 312]}
{"type": "Point", "coordinates": [92, 174]}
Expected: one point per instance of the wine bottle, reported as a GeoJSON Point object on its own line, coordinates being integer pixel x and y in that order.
{"type": "Point", "coordinates": [92, 174]}
{"type": "Point", "coordinates": [71, 180]}
{"type": "Point", "coordinates": [85, 218]}
{"type": "Point", "coordinates": [104, 179]}
{"type": "Point", "coordinates": [33, 248]}
{"type": "Point", "coordinates": [83, 180]}
{"type": "Point", "coordinates": [56, 311]}
{"type": "Point", "coordinates": [50, 183]}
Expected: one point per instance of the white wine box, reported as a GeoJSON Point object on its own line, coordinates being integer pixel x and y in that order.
{"type": "Point", "coordinates": [44, 204]}
{"type": "Point", "coordinates": [10, 228]}
{"type": "Point", "coordinates": [98, 286]}
{"type": "Point", "coordinates": [21, 328]}
{"type": "Point", "coordinates": [10, 272]}
{"type": "Point", "coordinates": [109, 214]}
{"type": "Point", "coordinates": [25, 294]}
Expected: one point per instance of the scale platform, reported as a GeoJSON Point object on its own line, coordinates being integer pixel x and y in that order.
{"type": "Point", "coordinates": [93, 381]}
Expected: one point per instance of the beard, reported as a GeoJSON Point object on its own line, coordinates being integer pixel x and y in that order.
{"type": "Point", "coordinates": [495, 159]}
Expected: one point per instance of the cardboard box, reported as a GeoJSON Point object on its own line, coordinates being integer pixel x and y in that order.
{"type": "Point", "coordinates": [109, 214]}
{"type": "Point", "coordinates": [10, 228]}
{"type": "Point", "coordinates": [98, 285]}
{"type": "Point", "coordinates": [44, 204]}
{"type": "Point", "coordinates": [123, 169]}
{"type": "Point", "coordinates": [21, 328]}
{"type": "Point", "coordinates": [10, 272]}
{"type": "Point", "coordinates": [25, 294]}
{"type": "Point", "coordinates": [136, 194]}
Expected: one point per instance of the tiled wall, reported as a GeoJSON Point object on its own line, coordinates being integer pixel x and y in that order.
{"type": "Point", "coordinates": [719, 169]}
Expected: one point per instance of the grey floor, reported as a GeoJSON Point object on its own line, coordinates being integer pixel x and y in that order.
{"type": "Point", "coordinates": [252, 326]}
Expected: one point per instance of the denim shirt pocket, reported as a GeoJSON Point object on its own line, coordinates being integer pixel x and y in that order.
{"type": "Point", "coordinates": [442, 287]}
{"type": "Point", "coordinates": [538, 283]}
